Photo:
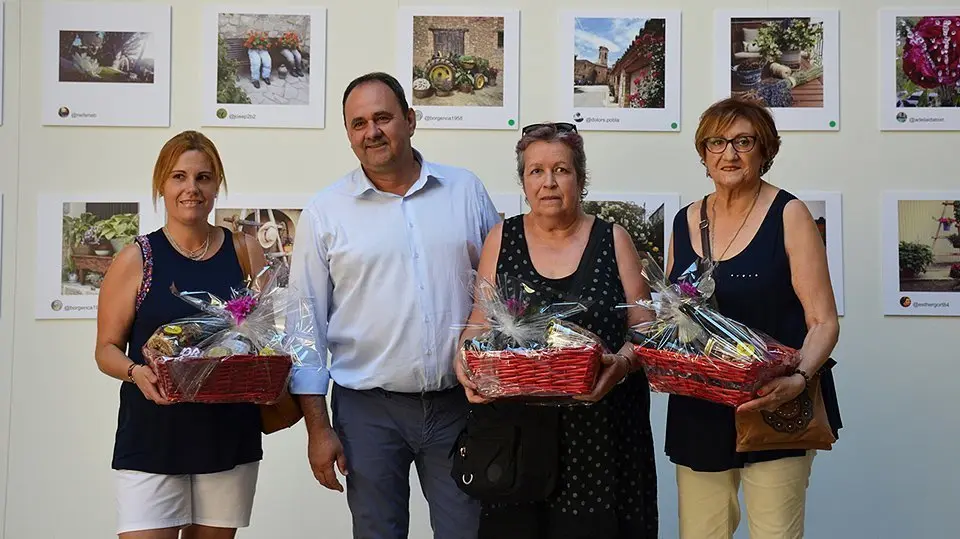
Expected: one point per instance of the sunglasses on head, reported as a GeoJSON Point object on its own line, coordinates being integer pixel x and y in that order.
{"type": "Point", "coordinates": [562, 127]}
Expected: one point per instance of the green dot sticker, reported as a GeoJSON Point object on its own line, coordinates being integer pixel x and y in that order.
{"type": "Point", "coordinates": [833, 123]}
{"type": "Point", "coordinates": [510, 122]}
{"type": "Point", "coordinates": [673, 125]}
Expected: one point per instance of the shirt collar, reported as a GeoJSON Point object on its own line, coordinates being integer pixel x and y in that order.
{"type": "Point", "coordinates": [361, 184]}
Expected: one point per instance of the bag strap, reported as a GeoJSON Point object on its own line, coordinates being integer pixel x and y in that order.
{"type": "Point", "coordinates": [705, 246]}
{"type": "Point", "coordinates": [243, 255]}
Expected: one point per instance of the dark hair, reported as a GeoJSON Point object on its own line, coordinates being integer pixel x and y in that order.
{"type": "Point", "coordinates": [570, 139]}
{"type": "Point", "coordinates": [721, 115]}
{"type": "Point", "coordinates": [377, 76]}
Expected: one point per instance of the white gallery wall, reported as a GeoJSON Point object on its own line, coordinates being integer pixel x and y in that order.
{"type": "Point", "coordinates": [893, 474]}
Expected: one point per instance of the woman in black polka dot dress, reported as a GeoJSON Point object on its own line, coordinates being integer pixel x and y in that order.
{"type": "Point", "coordinates": [607, 477]}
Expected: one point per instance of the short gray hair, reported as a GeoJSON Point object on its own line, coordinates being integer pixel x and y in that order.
{"type": "Point", "coordinates": [549, 133]}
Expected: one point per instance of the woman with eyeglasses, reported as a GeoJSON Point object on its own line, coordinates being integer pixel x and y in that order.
{"type": "Point", "coordinates": [770, 274]}
{"type": "Point", "coordinates": [606, 483]}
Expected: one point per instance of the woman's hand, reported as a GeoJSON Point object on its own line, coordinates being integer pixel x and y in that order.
{"type": "Point", "coordinates": [615, 368]}
{"type": "Point", "coordinates": [469, 387]}
{"type": "Point", "coordinates": [775, 393]}
{"type": "Point", "coordinates": [147, 380]}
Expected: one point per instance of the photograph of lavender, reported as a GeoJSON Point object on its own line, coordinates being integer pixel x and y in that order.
{"type": "Point", "coordinates": [99, 56]}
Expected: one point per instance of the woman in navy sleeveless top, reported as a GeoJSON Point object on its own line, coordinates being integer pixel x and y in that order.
{"type": "Point", "coordinates": [183, 464]}
{"type": "Point", "coordinates": [771, 275]}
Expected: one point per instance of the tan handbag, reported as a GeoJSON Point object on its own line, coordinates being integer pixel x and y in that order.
{"type": "Point", "coordinates": [286, 412]}
{"type": "Point", "coordinates": [801, 423]}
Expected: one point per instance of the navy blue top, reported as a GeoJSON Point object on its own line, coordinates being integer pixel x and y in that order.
{"type": "Point", "coordinates": [755, 288]}
{"type": "Point", "coordinates": [182, 438]}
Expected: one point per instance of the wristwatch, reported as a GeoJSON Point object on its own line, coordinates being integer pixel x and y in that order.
{"type": "Point", "coordinates": [130, 371]}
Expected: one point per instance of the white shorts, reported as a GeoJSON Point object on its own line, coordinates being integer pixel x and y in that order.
{"type": "Point", "coordinates": [154, 501]}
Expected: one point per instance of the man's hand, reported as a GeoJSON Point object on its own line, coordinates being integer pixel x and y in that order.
{"type": "Point", "coordinates": [323, 449]}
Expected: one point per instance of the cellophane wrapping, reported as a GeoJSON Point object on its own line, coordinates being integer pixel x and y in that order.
{"type": "Point", "coordinates": [529, 352]}
{"type": "Point", "coordinates": [689, 348]}
{"type": "Point", "coordinates": [240, 349]}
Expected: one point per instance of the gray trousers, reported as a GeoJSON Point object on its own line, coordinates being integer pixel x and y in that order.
{"type": "Point", "coordinates": [382, 434]}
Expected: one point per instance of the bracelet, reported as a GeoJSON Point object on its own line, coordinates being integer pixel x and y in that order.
{"type": "Point", "coordinates": [130, 371]}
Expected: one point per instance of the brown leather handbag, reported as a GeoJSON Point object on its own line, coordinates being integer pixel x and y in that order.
{"type": "Point", "coordinates": [801, 423]}
{"type": "Point", "coordinates": [286, 412]}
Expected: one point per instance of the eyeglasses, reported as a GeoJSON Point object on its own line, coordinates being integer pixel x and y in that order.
{"type": "Point", "coordinates": [561, 127]}
{"type": "Point", "coordinates": [741, 144]}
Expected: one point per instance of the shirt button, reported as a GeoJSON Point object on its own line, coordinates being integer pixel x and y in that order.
{"type": "Point", "coordinates": [410, 225]}
{"type": "Point", "coordinates": [416, 255]}
{"type": "Point", "coordinates": [421, 287]}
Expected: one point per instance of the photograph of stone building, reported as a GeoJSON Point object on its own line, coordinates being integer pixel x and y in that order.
{"type": "Point", "coordinates": [458, 61]}
{"type": "Point", "coordinates": [619, 62]}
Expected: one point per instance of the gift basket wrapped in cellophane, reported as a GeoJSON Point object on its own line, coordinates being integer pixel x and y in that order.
{"type": "Point", "coordinates": [240, 349]}
{"type": "Point", "coordinates": [690, 349]}
{"type": "Point", "coordinates": [528, 351]}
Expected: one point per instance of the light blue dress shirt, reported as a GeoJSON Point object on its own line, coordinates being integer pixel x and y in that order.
{"type": "Point", "coordinates": [390, 279]}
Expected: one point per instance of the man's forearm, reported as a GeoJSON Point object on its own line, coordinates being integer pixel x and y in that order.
{"type": "Point", "coordinates": [315, 412]}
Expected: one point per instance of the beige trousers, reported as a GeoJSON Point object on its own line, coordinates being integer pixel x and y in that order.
{"type": "Point", "coordinates": [775, 493]}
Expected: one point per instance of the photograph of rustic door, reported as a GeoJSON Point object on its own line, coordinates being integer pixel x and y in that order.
{"type": "Point", "coordinates": [448, 43]}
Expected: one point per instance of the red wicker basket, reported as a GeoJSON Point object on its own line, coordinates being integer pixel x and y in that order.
{"type": "Point", "coordinates": [238, 378]}
{"type": "Point", "coordinates": [712, 379]}
{"type": "Point", "coordinates": [551, 372]}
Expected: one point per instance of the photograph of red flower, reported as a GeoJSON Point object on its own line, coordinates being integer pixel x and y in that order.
{"type": "Point", "coordinates": [928, 61]}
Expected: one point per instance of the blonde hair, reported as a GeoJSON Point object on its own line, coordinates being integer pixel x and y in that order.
{"type": "Point", "coordinates": [722, 114]}
{"type": "Point", "coordinates": [178, 145]}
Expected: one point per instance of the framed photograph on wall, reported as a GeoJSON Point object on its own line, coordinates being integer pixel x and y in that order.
{"type": "Point", "coordinates": [78, 236]}
{"type": "Point", "coordinates": [459, 66]}
{"type": "Point", "coordinates": [508, 204]}
{"type": "Point", "coordinates": [648, 217]}
{"type": "Point", "coordinates": [788, 59]}
{"type": "Point", "coordinates": [106, 64]}
{"type": "Point", "coordinates": [264, 66]}
{"type": "Point", "coordinates": [827, 211]}
{"type": "Point", "coordinates": [921, 253]}
{"type": "Point", "coordinates": [920, 69]}
{"type": "Point", "coordinates": [271, 219]}
{"type": "Point", "coordinates": [620, 70]}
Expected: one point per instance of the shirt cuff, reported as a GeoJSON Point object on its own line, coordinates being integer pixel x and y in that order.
{"type": "Point", "coordinates": [309, 380]}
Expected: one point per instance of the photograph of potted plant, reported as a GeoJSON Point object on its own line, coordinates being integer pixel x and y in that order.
{"type": "Point", "coordinates": [778, 61]}
{"type": "Point", "coordinates": [456, 61]}
{"type": "Point", "coordinates": [928, 61]}
{"type": "Point", "coordinates": [92, 233]}
{"type": "Point", "coordinates": [927, 255]}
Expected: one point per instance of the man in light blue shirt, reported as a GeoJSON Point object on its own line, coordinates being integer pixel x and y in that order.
{"type": "Point", "coordinates": [386, 254]}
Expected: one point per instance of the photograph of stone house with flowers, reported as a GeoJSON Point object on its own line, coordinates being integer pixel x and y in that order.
{"type": "Point", "coordinates": [928, 61]}
{"type": "Point", "coordinates": [644, 224]}
{"type": "Point", "coordinates": [929, 245]}
{"type": "Point", "coordinates": [777, 61]}
{"type": "Point", "coordinates": [92, 233]}
{"type": "Point", "coordinates": [457, 61]}
{"type": "Point", "coordinates": [619, 62]}
{"type": "Point", "coordinates": [263, 59]}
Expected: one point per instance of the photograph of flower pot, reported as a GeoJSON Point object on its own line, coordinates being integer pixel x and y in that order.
{"type": "Point", "coordinates": [928, 61]}
{"type": "Point", "coordinates": [645, 224]}
{"type": "Point", "coordinates": [457, 61]}
{"type": "Point", "coordinates": [619, 62]}
{"type": "Point", "coordinates": [263, 59]}
{"type": "Point", "coordinates": [98, 56]}
{"type": "Point", "coordinates": [274, 229]}
{"type": "Point", "coordinates": [928, 245]}
{"type": "Point", "coordinates": [778, 61]}
{"type": "Point", "coordinates": [92, 233]}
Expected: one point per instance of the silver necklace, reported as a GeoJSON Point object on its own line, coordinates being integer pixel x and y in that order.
{"type": "Point", "coordinates": [192, 255]}
{"type": "Point", "coordinates": [713, 230]}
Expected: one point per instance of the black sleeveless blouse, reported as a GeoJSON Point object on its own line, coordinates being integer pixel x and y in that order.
{"type": "Point", "coordinates": [607, 487]}
{"type": "Point", "coordinates": [755, 288]}
{"type": "Point", "coordinates": [182, 438]}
